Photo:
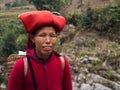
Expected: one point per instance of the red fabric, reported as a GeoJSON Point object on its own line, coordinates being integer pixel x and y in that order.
{"type": "Point", "coordinates": [49, 75]}
{"type": "Point", "coordinates": [35, 19]}
{"type": "Point", "coordinates": [29, 44]}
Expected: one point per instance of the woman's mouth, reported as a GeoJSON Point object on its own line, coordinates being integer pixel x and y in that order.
{"type": "Point", "coordinates": [47, 48]}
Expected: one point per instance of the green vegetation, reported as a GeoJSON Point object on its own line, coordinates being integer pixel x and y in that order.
{"type": "Point", "coordinates": [15, 4]}
{"type": "Point", "coordinates": [11, 31]}
{"type": "Point", "coordinates": [104, 20]}
{"type": "Point", "coordinates": [8, 46]}
{"type": "Point", "coordinates": [49, 4]}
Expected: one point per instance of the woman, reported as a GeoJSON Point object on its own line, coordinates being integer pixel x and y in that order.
{"type": "Point", "coordinates": [45, 70]}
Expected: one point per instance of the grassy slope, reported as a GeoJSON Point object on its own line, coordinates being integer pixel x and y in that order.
{"type": "Point", "coordinates": [8, 14]}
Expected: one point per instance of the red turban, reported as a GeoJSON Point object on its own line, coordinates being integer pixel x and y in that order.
{"type": "Point", "coordinates": [36, 19]}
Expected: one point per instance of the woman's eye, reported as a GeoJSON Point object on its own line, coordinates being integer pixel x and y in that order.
{"type": "Point", "coordinates": [45, 35]}
{"type": "Point", "coordinates": [52, 35]}
{"type": "Point", "coordinates": [42, 35]}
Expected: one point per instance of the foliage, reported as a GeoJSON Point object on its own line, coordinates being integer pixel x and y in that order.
{"type": "Point", "coordinates": [1, 78]}
{"type": "Point", "coordinates": [86, 18]}
{"type": "Point", "coordinates": [49, 4]}
{"type": "Point", "coordinates": [8, 46]}
{"type": "Point", "coordinates": [58, 46]}
{"type": "Point", "coordinates": [104, 20]}
{"type": "Point", "coordinates": [107, 19]}
{"type": "Point", "coordinates": [110, 74]}
{"type": "Point", "coordinates": [13, 37]}
{"type": "Point", "coordinates": [117, 1]}
{"type": "Point", "coordinates": [73, 19]}
{"type": "Point", "coordinates": [21, 42]}
{"type": "Point", "coordinates": [85, 42]}
{"type": "Point", "coordinates": [8, 5]}
{"type": "Point", "coordinates": [15, 4]}
{"type": "Point", "coordinates": [1, 61]}
{"type": "Point", "coordinates": [83, 20]}
{"type": "Point", "coordinates": [2, 28]}
{"type": "Point", "coordinates": [96, 66]}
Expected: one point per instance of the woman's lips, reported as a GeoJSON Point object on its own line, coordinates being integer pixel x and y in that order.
{"type": "Point", "coordinates": [47, 48]}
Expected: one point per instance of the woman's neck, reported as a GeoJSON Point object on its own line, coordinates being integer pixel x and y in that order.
{"type": "Point", "coordinates": [44, 57]}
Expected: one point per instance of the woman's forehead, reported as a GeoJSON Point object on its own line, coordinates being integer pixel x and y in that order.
{"type": "Point", "coordinates": [47, 29]}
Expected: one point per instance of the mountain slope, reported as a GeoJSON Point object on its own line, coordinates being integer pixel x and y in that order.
{"type": "Point", "coordinates": [79, 5]}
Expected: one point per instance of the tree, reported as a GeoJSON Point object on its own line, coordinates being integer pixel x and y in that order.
{"type": "Point", "coordinates": [49, 4]}
{"type": "Point", "coordinates": [8, 5]}
{"type": "Point", "coordinates": [12, 37]}
{"type": "Point", "coordinates": [8, 44]}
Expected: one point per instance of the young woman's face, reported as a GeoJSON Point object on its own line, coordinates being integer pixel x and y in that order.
{"type": "Point", "coordinates": [45, 40]}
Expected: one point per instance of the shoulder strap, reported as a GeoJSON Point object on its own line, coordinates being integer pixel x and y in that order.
{"type": "Point", "coordinates": [27, 59]}
{"type": "Point", "coordinates": [25, 66]}
{"type": "Point", "coordinates": [32, 73]}
{"type": "Point", "coordinates": [63, 62]}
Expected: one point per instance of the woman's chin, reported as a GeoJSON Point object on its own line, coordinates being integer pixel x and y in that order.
{"type": "Point", "coordinates": [47, 53]}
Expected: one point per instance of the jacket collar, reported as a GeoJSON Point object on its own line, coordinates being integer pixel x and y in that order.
{"type": "Point", "coordinates": [34, 56]}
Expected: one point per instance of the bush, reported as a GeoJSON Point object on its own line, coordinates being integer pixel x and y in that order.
{"type": "Point", "coordinates": [107, 19]}
{"type": "Point", "coordinates": [21, 42]}
{"type": "Point", "coordinates": [49, 4]}
{"type": "Point", "coordinates": [8, 46]}
{"type": "Point", "coordinates": [8, 5]}
{"type": "Point", "coordinates": [73, 18]}
{"type": "Point", "coordinates": [9, 40]}
{"type": "Point", "coordinates": [86, 18]}
{"type": "Point", "coordinates": [15, 4]}
{"type": "Point", "coordinates": [104, 20]}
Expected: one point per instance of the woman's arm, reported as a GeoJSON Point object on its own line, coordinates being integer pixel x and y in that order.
{"type": "Point", "coordinates": [16, 78]}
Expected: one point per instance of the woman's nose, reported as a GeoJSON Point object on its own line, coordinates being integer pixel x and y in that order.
{"type": "Point", "coordinates": [47, 39]}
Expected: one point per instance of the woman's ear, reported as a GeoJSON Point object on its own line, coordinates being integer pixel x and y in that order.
{"type": "Point", "coordinates": [32, 38]}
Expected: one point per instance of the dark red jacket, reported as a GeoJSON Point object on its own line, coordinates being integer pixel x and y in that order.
{"type": "Point", "coordinates": [49, 75]}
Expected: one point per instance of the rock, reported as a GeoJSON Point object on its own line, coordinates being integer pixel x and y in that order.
{"type": "Point", "coordinates": [98, 79]}
{"type": "Point", "coordinates": [88, 60]}
{"type": "Point", "coordinates": [94, 86]}
{"type": "Point", "coordinates": [75, 85]}
{"type": "Point", "coordinates": [118, 70]}
{"type": "Point", "coordinates": [3, 86]}
{"type": "Point", "coordinates": [81, 77]}
{"type": "Point", "coordinates": [86, 87]}
{"type": "Point", "coordinates": [100, 87]}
